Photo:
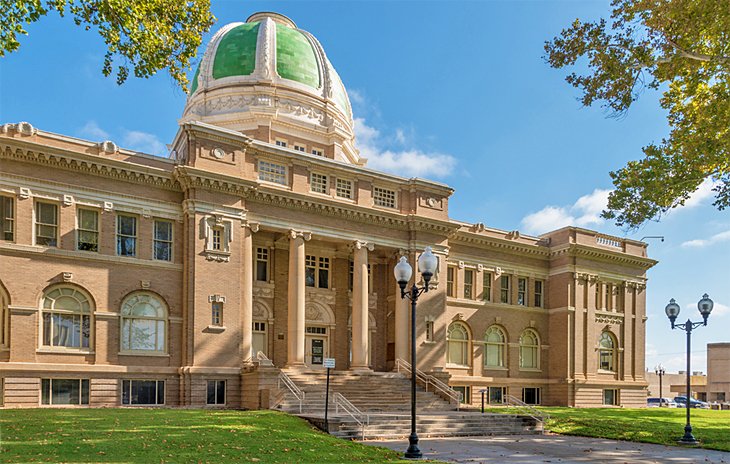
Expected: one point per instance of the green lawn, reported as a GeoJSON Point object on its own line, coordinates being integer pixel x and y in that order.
{"type": "Point", "coordinates": [171, 435]}
{"type": "Point", "coordinates": [650, 425]}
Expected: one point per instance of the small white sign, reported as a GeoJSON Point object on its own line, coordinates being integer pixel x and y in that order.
{"type": "Point", "coordinates": [329, 363]}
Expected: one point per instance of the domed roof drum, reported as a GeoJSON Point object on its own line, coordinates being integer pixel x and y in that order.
{"type": "Point", "coordinates": [267, 73]}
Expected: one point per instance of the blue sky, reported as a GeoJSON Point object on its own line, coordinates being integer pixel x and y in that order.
{"type": "Point", "coordinates": [453, 91]}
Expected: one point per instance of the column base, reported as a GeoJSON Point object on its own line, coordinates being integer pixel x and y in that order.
{"type": "Point", "coordinates": [360, 369]}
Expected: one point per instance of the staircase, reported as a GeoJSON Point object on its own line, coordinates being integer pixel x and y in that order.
{"type": "Point", "coordinates": [370, 405]}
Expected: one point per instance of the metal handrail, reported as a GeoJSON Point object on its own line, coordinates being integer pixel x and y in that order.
{"type": "Point", "coordinates": [525, 408]}
{"type": "Point", "coordinates": [427, 380]}
{"type": "Point", "coordinates": [358, 416]}
{"type": "Point", "coordinates": [292, 387]}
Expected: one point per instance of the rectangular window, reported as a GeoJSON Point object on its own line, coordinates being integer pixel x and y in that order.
{"type": "Point", "coordinates": [7, 218]}
{"type": "Point", "coordinates": [216, 235]}
{"type": "Point", "coordinates": [68, 330]}
{"type": "Point", "coordinates": [429, 331]}
{"type": "Point", "coordinates": [317, 152]}
{"type": "Point", "coordinates": [126, 235]}
{"type": "Point", "coordinates": [607, 299]}
{"type": "Point", "coordinates": [531, 395]}
{"type": "Point", "coordinates": [64, 391]}
{"type": "Point", "coordinates": [216, 313]}
{"type": "Point", "coordinates": [487, 286]}
{"type": "Point", "coordinates": [344, 189]}
{"type": "Point", "coordinates": [598, 295]}
{"type": "Point", "coordinates": [143, 392]}
{"type": "Point", "coordinates": [465, 391]}
{"type": "Point", "coordinates": [262, 264]}
{"type": "Point", "coordinates": [505, 290]}
{"type": "Point", "coordinates": [46, 224]}
{"type": "Point", "coordinates": [522, 291]}
{"type": "Point", "coordinates": [163, 240]}
{"type": "Point", "coordinates": [450, 281]}
{"type": "Point", "coordinates": [300, 148]}
{"type": "Point", "coordinates": [538, 293]}
{"type": "Point", "coordinates": [468, 284]}
{"type": "Point", "coordinates": [384, 197]}
{"type": "Point", "coordinates": [318, 183]}
{"type": "Point", "coordinates": [496, 395]}
{"type": "Point", "coordinates": [216, 392]}
{"type": "Point", "coordinates": [317, 271]}
{"type": "Point", "coordinates": [281, 143]}
{"type": "Point", "coordinates": [610, 397]}
{"type": "Point", "coordinates": [316, 330]}
{"type": "Point", "coordinates": [272, 172]}
{"type": "Point", "coordinates": [87, 230]}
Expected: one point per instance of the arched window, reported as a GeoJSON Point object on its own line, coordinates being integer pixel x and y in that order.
{"type": "Point", "coordinates": [607, 352]}
{"type": "Point", "coordinates": [529, 350]}
{"type": "Point", "coordinates": [144, 323]}
{"type": "Point", "coordinates": [67, 318]}
{"type": "Point", "coordinates": [4, 317]}
{"type": "Point", "coordinates": [457, 340]}
{"type": "Point", "coordinates": [494, 341]}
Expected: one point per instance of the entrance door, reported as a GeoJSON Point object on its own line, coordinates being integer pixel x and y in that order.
{"type": "Point", "coordinates": [260, 338]}
{"type": "Point", "coordinates": [316, 348]}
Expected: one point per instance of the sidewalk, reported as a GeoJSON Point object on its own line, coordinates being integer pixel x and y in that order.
{"type": "Point", "coordinates": [554, 449]}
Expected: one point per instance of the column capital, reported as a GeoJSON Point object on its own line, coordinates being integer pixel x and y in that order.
{"type": "Point", "coordinates": [360, 244]}
{"type": "Point", "coordinates": [253, 226]}
{"type": "Point", "coordinates": [294, 234]}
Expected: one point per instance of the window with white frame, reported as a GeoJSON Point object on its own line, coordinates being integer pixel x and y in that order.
{"type": "Point", "coordinates": [216, 317]}
{"type": "Point", "coordinates": [87, 230]}
{"type": "Point", "coordinates": [317, 271]}
{"type": "Point", "coordinates": [451, 281]}
{"type": "Point", "coordinates": [262, 264]}
{"type": "Point", "coordinates": [429, 331]}
{"type": "Point", "coordinates": [468, 284]}
{"type": "Point", "coordinates": [46, 224]}
{"type": "Point", "coordinates": [494, 347]}
{"type": "Point", "coordinates": [607, 352]}
{"type": "Point", "coordinates": [144, 323]}
{"type": "Point", "coordinates": [522, 291]}
{"type": "Point", "coordinates": [301, 148]}
{"type": "Point", "coordinates": [496, 395]}
{"type": "Point", "coordinates": [126, 235]}
{"type": "Point", "coordinates": [216, 393]}
{"type": "Point", "coordinates": [505, 289]}
{"type": "Point", "coordinates": [343, 189]}
{"type": "Point", "coordinates": [216, 238]}
{"type": "Point", "coordinates": [272, 172]}
{"type": "Point", "coordinates": [487, 286]}
{"type": "Point", "coordinates": [384, 197]}
{"type": "Point", "coordinates": [143, 392]}
{"type": "Point", "coordinates": [66, 318]}
{"type": "Point", "coordinates": [529, 350]}
{"type": "Point", "coordinates": [458, 345]}
{"type": "Point", "coordinates": [162, 245]}
{"type": "Point", "coordinates": [260, 340]}
{"type": "Point", "coordinates": [64, 392]}
{"type": "Point", "coordinates": [317, 152]}
{"type": "Point", "coordinates": [7, 218]}
{"type": "Point", "coordinates": [4, 318]}
{"type": "Point", "coordinates": [281, 143]}
{"type": "Point", "coordinates": [611, 397]}
{"type": "Point", "coordinates": [531, 395]}
{"type": "Point", "coordinates": [318, 183]}
{"type": "Point", "coordinates": [537, 300]}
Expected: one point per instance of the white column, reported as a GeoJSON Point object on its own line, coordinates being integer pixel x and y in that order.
{"type": "Point", "coordinates": [360, 321]}
{"type": "Point", "coordinates": [295, 345]}
{"type": "Point", "coordinates": [247, 230]}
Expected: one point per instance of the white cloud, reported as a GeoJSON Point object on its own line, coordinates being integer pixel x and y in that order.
{"type": "Point", "coordinates": [586, 211]}
{"type": "Point", "coordinates": [92, 131]}
{"type": "Point", "coordinates": [400, 136]}
{"type": "Point", "coordinates": [703, 192]}
{"type": "Point", "coordinates": [356, 97]}
{"type": "Point", "coordinates": [144, 142]}
{"type": "Point", "coordinates": [410, 162]}
{"type": "Point", "coordinates": [700, 243]}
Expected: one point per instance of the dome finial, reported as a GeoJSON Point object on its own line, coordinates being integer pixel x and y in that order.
{"type": "Point", "coordinates": [276, 17]}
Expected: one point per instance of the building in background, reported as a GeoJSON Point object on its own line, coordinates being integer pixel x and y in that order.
{"type": "Point", "coordinates": [128, 279]}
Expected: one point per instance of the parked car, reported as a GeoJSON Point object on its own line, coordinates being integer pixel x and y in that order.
{"type": "Point", "coordinates": [693, 403]}
{"type": "Point", "coordinates": [665, 402]}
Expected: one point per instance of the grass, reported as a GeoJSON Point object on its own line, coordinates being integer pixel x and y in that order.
{"type": "Point", "coordinates": [649, 425]}
{"type": "Point", "coordinates": [172, 435]}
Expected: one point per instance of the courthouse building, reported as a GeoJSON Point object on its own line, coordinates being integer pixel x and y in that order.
{"type": "Point", "coordinates": [130, 279]}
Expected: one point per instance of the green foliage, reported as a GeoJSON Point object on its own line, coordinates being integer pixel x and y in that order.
{"type": "Point", "coordinates": [145, 36]}
{"type": "Point", "coordinates": [172, 435]}
{"type": "Point", "coordinates": [682, 48]}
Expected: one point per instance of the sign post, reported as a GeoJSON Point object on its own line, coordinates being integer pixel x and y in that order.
{"type": "Point", "coordinates": [329, 363]}
{"type": "Point", "coordinates": [483, 390]}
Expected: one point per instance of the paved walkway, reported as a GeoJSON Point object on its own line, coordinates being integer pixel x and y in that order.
{"type": "Point", "coordinates": [555, 449]}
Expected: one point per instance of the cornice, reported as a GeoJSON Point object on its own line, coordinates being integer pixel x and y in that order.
{"type": "Point", "coordinates": [508, 246]}
{"type": "Point", "coordinates": [596, 254]}
{"type": "Point", "coordinates": [190, 177]}
{"type": "Point", "coordinates": [59, 158]}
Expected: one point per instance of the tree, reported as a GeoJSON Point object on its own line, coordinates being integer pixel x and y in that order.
{"type": "Point", "coordinates": [681, 48]}
{"type": "Point", "coordinates": [147, 35]}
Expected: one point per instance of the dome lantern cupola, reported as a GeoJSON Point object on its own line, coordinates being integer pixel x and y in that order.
{"type": "Point", "coordinates": [272, 81]}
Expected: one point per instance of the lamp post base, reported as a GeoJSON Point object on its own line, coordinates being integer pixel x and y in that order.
{"type": "Point", "coordinates": [688, 438]}
{"type": "Point", "coordinates": [413, 452]}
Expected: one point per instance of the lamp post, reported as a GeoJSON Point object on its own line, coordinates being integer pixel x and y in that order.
{"type": "Point", "coordinates": [672, 310]}
{"type": "Point", "coordinates": [427, 264]}
{"type": "Point", "coordinates": [659, 371]}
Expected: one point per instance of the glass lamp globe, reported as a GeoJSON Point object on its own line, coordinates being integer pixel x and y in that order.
{"type": "Point", "coordinates": [427, 264]}
{"type": "Point", "coordinates": [403, 271]}
{"type": "Point", "coordinates": [705, 306]}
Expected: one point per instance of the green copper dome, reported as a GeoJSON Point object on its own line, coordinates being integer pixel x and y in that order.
{"type": "Point", "coordinates": [236, 52]}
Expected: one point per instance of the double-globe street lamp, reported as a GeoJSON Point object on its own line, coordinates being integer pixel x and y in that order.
{"type": "Point", "coordinates": [672, 310]}
{"type": "Point", "coordinates": [427, 264]}
{"type": "Point", "coordinates": [659, 371]}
